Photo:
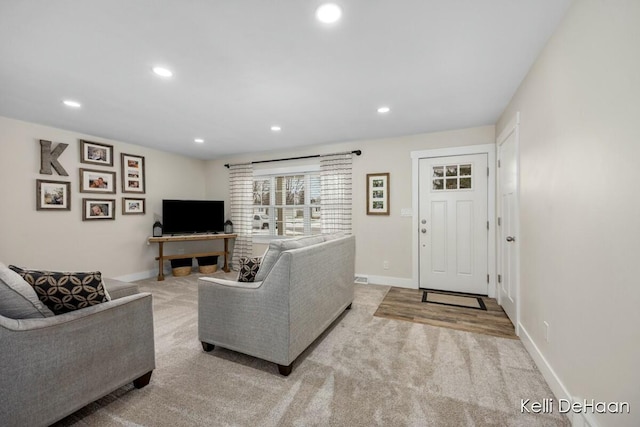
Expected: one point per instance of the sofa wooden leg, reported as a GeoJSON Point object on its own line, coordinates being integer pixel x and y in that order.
{"type": "Point", "coordinates": [207, 347]}
{"type": "Point", "coordinates": [285, 370]}
{"type": "Point", "coordinates": [349, 306]}
{"type": "Point", "coordinates": [143, 380]}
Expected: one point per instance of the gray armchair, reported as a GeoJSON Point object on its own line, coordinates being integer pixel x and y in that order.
{"type": "Point", "coordinates": [51, 367]}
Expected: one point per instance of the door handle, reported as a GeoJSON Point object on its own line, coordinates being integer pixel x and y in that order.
{"type": "Point", "coordinates": [424, 231]}
{"type": "Point", "coordinates": [511, 239]}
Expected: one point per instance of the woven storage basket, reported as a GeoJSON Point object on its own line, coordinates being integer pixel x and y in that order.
{"type": "Point", "coordinates": [181, 271]}
{"type": "Point", "coordinates": [208, 269]}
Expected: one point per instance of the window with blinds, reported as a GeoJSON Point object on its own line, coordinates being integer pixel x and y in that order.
{"type": "Point", "coordinates": [286, 205]}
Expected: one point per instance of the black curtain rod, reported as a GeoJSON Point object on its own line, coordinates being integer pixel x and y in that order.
{"type": "Point", "coordinates": [356, 152]}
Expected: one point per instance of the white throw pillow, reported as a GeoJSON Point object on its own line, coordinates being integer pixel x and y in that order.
{"type": "Point", "coordinates": [18, 299]}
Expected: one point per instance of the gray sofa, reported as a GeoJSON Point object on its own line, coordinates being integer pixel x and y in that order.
{"type": "Point", "coordinates": [51, 367]}
{"type": "Point", "coordinates": [302, 286]}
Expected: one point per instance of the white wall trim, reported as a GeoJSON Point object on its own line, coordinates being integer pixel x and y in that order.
{"type": "Point", "coordinates": [513, 127]}
{"type": "Point", "coordinates": [490, 151]}
{"type": "Point", "coordinates": [515, 121]}
{"type": "Point", "coordinates": [141, 275]}
{"type": "Point", "coordinates": [557, 387]}
{"type": "Point", "coordinates": [398, 282]}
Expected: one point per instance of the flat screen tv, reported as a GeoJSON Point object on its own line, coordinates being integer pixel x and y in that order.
{"type": "Point", "coordinates": [192, 216]}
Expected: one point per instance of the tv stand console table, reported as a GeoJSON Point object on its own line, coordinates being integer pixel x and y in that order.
{"type": "Point", "coordinates": [191, 238]}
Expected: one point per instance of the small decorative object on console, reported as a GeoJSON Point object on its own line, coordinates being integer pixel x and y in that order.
{"type": "Point", "coordinates": [228, 227]}
{"type": "Point", "coordinates": [157, 229]}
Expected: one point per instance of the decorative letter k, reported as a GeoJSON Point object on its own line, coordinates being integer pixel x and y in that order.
{"type": "Point", "coordinates": [49, 158]}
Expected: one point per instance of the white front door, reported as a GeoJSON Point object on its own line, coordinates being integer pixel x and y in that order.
{"type": "Point", "coordinates": [453, 243]}
{"type": "Point", "coordinates": [508, 225]}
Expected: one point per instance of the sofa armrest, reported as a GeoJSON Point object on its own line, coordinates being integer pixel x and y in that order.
{"type": "Point", "coordinates": [26, 325]}
{"type": "Point", "coordinates": [232, 283]}
{"type": "Point", "coordinates": [252, 318]}
{"type": "Point", "coordinates": [88, 353]}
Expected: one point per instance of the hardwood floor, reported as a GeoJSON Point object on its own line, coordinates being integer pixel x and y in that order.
{"type": "Point", "coordinates": [406, 304]}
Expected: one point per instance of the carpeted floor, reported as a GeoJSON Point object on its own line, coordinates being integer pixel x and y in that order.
{"type": "Point", "coordinates": [364, 371]}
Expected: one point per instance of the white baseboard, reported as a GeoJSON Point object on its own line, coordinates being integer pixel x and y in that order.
{"type": "Point", "coordinates": [557, 387]}
{"type": "Point", "coordinates": [137, 276]}
{"type": "Point", "coordinates": [389, 281]}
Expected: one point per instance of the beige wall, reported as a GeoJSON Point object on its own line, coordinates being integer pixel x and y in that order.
{"type": "Point", "coordinates": [61, 240]}
{"type": "Point", "coordinates": [580, 205]}
{"type": "Point", "coordinates": [379, 238]}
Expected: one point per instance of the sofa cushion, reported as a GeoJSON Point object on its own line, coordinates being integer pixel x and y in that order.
{"type": "Point", "coordinates": [65, 291]}
{"type": "Point", "coordinates": [117, 289]}
{"type": "Point", "coordinates": [248, 268]}
{"type": "Point", "coordinates": [276, 247]}
{"type": "Point", "coordinates": [333, 236]}
{"type": "Point", "coordinates": [18, 300]}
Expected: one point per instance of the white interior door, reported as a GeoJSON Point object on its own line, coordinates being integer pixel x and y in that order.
{"type": "Point", "coordinates": [508, 288]}
{"type": "Point", "coordinates": [453, 241]}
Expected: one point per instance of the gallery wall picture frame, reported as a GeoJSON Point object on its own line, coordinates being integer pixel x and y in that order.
{"type": "Point", "coordinates": [96, 153]}
{"type": "Point", "coordinates": [378, 189]}
{"type": "Point", "coordinates": [97, 181]}
{"type": "Point", "coordinates": [53, 195]}
{"type": "Point", "coordinates": [133, 176]}
{"type": "Point", "coordinates": [97, 209]}
{"type": "Point", "coordinates": [131, 206]}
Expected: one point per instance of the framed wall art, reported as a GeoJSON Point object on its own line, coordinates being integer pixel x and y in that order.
{"type": "Point", "coordinates": [96, 153]}
{"type": "Point", "coordinates": [132, 206]}
{"type": "Point", "coordinates": [94, 209]}
{"type": "Point", "coordinates": [97, 181]}
{"type": "Point", "coordinates": [378, 194]}
{"type": "Point", "coordinates": [53, 195]}
{"type": "Point", "coordinates": [133, 179]}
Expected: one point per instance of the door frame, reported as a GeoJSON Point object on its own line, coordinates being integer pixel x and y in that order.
{"type": "Point", "coordinates": [490, 151]}
{"type": "Point", "coordinates": [513, 127]}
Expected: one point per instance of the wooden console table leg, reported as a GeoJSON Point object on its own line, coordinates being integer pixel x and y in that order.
{"type": "Point", "coordinates": [226, 253]}
{"type": "Point", "coordinates": [160, 263]}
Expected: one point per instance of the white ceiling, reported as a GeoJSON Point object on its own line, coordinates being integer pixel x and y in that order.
{"type": "Point", "coordinates": [242, 66]}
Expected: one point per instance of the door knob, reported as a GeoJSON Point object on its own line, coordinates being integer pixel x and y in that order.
{"type": "Point", "coordinates": [424, 230]}
{"type": "Point", "coordinates": [511, 239]}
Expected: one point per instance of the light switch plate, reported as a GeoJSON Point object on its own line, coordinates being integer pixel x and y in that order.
{"type": "Point", "coordinates": [406, 212]}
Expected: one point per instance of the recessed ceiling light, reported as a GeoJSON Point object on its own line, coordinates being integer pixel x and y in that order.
{"type": "Point", "coordinates": [162, 72]}
{"type": "Point", "coordinates": [383, 110]}
{"type": "Point", "coordinates": [199, 140]}
{"type": "Point", "coordinates": [71, 103]}
{"type": "Point", "coordinates": [276, 128]}
{"type": "Point", "coordinates": [328, 13]}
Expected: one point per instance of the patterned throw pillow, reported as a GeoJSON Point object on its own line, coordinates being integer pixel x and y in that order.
{"type": "Point", "coordinates": [62, 291]}
{"type": "Point", "coordinates": [248, 269]}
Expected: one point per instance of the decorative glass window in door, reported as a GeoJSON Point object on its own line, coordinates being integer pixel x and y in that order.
{"type": "Point", "coordinates": [451, 177]}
